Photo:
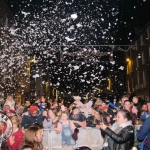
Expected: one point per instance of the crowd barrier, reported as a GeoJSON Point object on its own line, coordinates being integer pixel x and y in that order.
{"type": "Point", "coordinates": [90, 137]}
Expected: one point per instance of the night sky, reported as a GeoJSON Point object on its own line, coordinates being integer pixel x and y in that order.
{"type": "Point", "coordinates": [41, 26]}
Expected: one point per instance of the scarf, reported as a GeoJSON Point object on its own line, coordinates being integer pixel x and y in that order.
{"type": "Point", "coordinates": [116, 128]}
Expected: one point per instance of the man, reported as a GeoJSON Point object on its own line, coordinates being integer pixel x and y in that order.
{"type": "Point", "coordinates": [32, 117]}
{"type": "Point", "coordinates": [144, 132]}
{"type": "Point", "coordinates": [127, 105]}
{"type": "Point", "coordinates": [78, 118]}
{"type": "Point", "coordinates": [120, 104]}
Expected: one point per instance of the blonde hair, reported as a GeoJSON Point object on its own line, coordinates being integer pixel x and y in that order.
{"type": "Point", "coordinates": [15, 120]}
{"type": "Point", "coordinates": [64, 112]}
{"type": "Point", "coordinates": [10, 96]}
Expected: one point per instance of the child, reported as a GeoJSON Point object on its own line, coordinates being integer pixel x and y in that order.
{"type": "Point", "coordinates": [66, 127]}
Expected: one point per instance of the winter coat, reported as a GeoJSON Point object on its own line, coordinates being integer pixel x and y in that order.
{"type": "Point", "coordinates": [18, 138]}
{"type": "Point", "coordinates": [145, 131]}
{"type": "Point", "coordinates": [79, 117]}
{"type": "Point", "coordinates": [28, 120]}
{"type": "Point", "coordinates": [123, 140]}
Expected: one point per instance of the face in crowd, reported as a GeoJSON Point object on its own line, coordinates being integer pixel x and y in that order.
{"type": "Point", "coordinates": [64, 116]}
{"type": "Point", "coordinates": [127, 105]}
{"type": "Point", "coordinates": [122, 117]}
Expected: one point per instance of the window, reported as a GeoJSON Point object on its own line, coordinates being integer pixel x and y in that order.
{"type": "Point", "coordinates": [132, 85]}
{"type": "Point", "coordinates": [136, 45]}
{"type": "Point", "coordinates": [147, 33]}
{"type": "Point", "coordinates": [144, 78]}
{"type": "Point", "coordinates": [149, 51]}
{"type": "Point", "coordinates": [128, 86]}
{"type": "Point", "coordinates": [141, 39]}
{"type": "Point", "coordinates": [138, 79]}
{"type": "Point", "coordinates": [137, 62]}
{"type": "Point", "coordinates": [6, 23]}
{"type": "Point", "coordinates": [143, 58]}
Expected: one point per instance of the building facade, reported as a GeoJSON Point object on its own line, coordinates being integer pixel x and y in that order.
{"type": "Point", "coordinates": [138, 65]}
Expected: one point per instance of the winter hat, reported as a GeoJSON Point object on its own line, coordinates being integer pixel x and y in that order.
{"type": "Point", "coordinates": [33, 110]}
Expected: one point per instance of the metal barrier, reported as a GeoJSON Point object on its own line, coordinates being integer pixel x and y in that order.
{"type": "Point", "coordinates": [90, 137]}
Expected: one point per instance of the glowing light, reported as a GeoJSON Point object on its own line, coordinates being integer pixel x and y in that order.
{"type": "Point", "coordinates": [74, 16]}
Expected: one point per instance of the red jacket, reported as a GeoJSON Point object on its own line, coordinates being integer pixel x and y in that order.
{"type": "Point", "coordinates": [18, 137]}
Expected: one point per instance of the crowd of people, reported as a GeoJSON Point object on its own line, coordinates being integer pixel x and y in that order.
{"type": "Point", "coordinates": [115, 120]}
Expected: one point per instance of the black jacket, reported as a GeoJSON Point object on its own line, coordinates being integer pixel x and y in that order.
{"type": "Point", "coordinates": [122, 141]}
{"type": "Point", "coordinates": [28, 120]}
{"type": "Point", "coordinates": [79, 117]}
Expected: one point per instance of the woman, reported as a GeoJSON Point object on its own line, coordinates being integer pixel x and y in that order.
{"type": "Point", "coordinates": [136, 112]}
{"type": "Point", "coordinates": [78, 118]}
{"type": "Point", "coordinates": [66, 127]}
{"type": "Point", "coordinates": [121, 134]}
{"type": "Point", "coordinates": [13, 142]}
{"type": "Point", "coordinates": [51, 120]}
{"type": "Point", "coordinates": [95, 118]}
{"type": "Point", "coordinates": [33, 138]}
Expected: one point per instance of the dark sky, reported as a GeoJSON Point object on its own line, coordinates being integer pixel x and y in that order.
{"type": "Point", "coordinates": [43, 24]}
{"type": "Point", "coordinates": [132, 13]}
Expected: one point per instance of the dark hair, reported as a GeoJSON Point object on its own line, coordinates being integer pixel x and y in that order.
{"type": "Point", "coordinates": [25, 146]}
{"type": "Point", "coordinates": [83, 148]}
{"type": "Point", "coordinates": [125, 96]}
{"type": "Point", "coordinates": [37, 125]}
{"type": "Point", "coordinates": [138, 107]}
{"type": "Point", "coordinates": [104, 118]}
{"type": "Point", "coordinates": [127, 101]}
{"type": "Point", "coordinates": [126, 114]}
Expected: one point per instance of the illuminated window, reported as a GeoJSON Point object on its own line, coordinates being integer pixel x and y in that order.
{"type": "Point", "coordinates": [143, 58]}
{"type": "Point", "coordinates": [148, 33]}
{"type": "Point", "coordinates": [144, 77]}
{"type": "Point", "coordinates": [138, 79]}
{"type": "Point", "coordinates": [137, 62]}
{"type": "Point", "coordinates": [136, 45]}
{"type": "Point", "coordinates": [141, 39]}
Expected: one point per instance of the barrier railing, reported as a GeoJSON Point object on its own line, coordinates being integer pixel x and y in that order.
{"type": "Point", "coordinates": [90, 137]}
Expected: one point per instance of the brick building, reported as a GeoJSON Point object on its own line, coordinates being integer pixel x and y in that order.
{"type": "Point", "coordinates": [138, 64]}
